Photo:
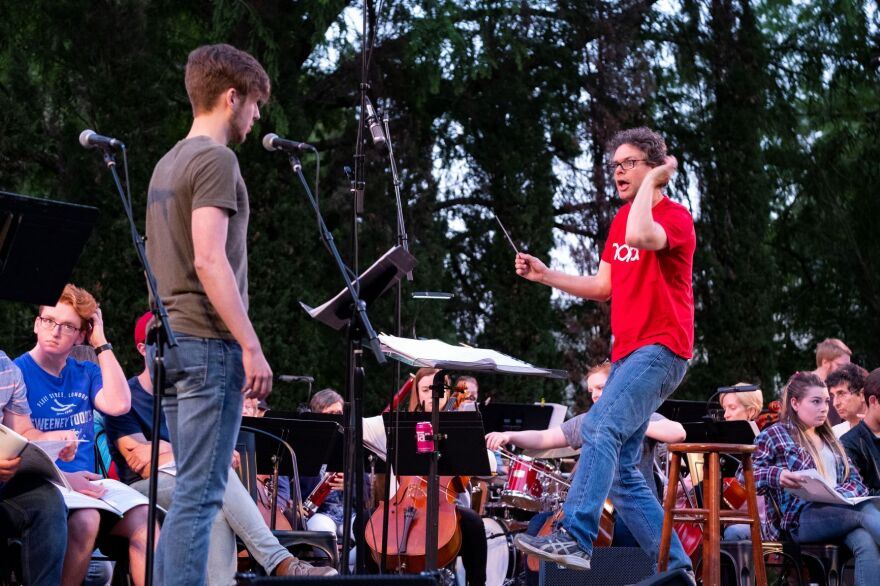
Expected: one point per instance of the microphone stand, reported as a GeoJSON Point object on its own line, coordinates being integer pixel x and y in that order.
{"type": "Point", "coordinates": [162, 335]}
{"type": "Point", "coordinates": [403, 241]}
{"type": "Point", "coordinates": [359, 326]}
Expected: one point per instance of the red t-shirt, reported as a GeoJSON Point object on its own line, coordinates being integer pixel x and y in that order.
{"type": "Point", "coordinates": [652, 298]}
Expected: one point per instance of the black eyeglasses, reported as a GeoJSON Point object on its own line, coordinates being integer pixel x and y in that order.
{"type": "Point", "coordinates": [626, 164]}
{"type": "Point", "coordinates": [47, 323]}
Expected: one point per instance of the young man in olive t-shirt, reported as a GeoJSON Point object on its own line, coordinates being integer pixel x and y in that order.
{"type": "Point", "coordinates": [197, 216]}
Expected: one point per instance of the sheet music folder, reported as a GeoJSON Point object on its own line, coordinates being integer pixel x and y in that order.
{"type": "Point", "coordinates": [377, 279]}
{"type": "Point", "coordinates": [463, 452]}
{"type": "Point", "coordinates": [437, 354]}
{"type": "Point", "coordinates": [33, 268]}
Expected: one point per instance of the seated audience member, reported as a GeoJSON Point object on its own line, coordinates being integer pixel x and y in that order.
{"type": "Point", "coordinates": [130, 438]}
{"type": "Point", "coordinates": [63, 394]}
{"type": "Point", "coordinates": [31, 508]}
{"type": "Point", "coordinates": [803, 440]}
{"type": "Point", "coordinates": [831, 354]}
{"type": "Point", "coordinates": [862, 442]}
{"type": "Point", "coordinates": [845, 386]}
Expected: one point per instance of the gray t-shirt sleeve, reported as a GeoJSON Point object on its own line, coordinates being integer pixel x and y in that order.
{"type": "Point", "coordinates": [571, 429]}
{"type": "Point", "coordinates": [13, 393]}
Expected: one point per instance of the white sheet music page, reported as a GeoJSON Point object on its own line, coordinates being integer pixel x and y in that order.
{"type": "Point", "coordinates": [430, 353]}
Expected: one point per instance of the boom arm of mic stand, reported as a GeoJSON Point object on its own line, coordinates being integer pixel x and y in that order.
{"type": "Point", "coordinates": [164, 335]}
{"type": "Point", "coordinates": [402, 239]}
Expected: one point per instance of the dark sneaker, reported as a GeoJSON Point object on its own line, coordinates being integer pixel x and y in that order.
{"type": "Point", "coordinates": [558, 547]}
{"type": "Point", "coordinates": [294, 567]}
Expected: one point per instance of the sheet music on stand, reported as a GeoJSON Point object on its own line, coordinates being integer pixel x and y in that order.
{"type": "Point", "coordinates": [437, 354]}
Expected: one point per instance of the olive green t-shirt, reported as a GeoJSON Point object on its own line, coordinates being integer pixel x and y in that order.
{"type": "Point", "coordinates": [198, 172]}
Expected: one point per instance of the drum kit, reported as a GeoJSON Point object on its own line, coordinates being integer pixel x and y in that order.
{"type": "Point", "coordinates": [531, 487]}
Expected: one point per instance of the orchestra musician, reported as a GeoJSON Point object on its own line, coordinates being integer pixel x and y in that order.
{"type": "Point", "coordinates": [474, 547]}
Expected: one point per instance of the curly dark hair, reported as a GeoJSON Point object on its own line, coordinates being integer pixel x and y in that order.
{"type": "Point", "coordinates": [651, 143]}
{"type": "Point", "coordinates": [851, 374]}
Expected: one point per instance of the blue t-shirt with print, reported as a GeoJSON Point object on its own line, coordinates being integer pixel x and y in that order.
{"type": "Point", "coordinates": [65, 402]}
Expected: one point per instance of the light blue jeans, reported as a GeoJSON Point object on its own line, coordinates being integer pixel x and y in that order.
{"type": "Point", "coordinates": [858, 526]}
{"type": "Point", "coordinates": [612, 433]}
{"type": "Point", "coordinates": [238, 516]}
{"type": "Point", "coordinates": [202, 406]}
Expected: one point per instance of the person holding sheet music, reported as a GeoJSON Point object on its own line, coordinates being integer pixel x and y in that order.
{"type": "Point", "coordinates": [803, 440]}
{"type": "Point", "coordinates": [30, 507]}
{"type": "Point", "coordinates": [131, 436]}
{"type": "Point", "coordinates": [63, 394]}
{"type": "Point", "coordinates": [646, 271]}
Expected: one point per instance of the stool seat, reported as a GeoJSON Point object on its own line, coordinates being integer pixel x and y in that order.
{"type": "Point", "coordinates": [711, 516]}
{"type": "Point", "coordinates": [707, 448]}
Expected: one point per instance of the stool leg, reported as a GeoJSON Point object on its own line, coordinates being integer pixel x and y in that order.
{"type": "Point", "coordinates": [760, 572]}
{"type": "Point", "coordinates": [668, 506]}
{"type": "Point", "coordinates": [712, 528]}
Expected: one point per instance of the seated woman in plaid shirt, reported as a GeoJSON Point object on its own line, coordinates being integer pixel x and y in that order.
{"type": "Point", "coordinates": [803, 440]}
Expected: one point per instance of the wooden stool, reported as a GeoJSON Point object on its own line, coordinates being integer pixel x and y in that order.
{"type": "Point", "coordinates": [711, 516]}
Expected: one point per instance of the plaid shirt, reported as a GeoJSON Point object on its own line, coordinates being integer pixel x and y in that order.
{"type": "Point", "coordinates": [777, 451]}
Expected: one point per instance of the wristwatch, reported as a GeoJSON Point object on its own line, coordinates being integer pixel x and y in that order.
{"type": "Point", "coordinates": [102, 347]}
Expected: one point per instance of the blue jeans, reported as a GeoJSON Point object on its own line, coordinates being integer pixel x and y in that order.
{"type": "Point", "coordinates": [612, 433]}
{"type": "Point", "coordinates": [858, 526]}
{"type": "Point", "coordinates": [202, 406]}
{"type": "Point", "coordinates": [32, 509]}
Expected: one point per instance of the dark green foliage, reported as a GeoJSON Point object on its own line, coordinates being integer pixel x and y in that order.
{"type": "Point", "coordinates": [500, 107]}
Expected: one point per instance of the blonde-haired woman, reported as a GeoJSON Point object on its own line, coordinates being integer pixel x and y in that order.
{"type": "Point", "coordinates": [742, 405]}
{"type": "Point", "coordinates": [803, 440]}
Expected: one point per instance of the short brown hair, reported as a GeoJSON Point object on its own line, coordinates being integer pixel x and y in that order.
{"type": "Point", "coordinates": [213, 69]}
{"type": "Point", "coordinates": [830, 349]}
{"type": "Point", "coordinates": [648, 141]}
{"type": "Point", "coordinates": [82, 302]}
{"type": "Point", "coordinates": [872, 385]}
{"type": "Point", "coordinates": [323, 399]}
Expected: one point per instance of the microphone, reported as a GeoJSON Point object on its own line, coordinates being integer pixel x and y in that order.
{"type": "Point", "coordinates": [375, 128]}
{"type": "Point", "coordinates": [91, 139]}
{"type": "Point", "coordinates": [293, 378]}
{"type": "Point", "coordinates": [273, 142]}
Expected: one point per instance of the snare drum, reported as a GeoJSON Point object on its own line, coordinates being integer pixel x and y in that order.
{"type": "Point", "coordinates": [524, 483]}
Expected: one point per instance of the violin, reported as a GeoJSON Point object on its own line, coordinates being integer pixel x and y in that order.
{"type": "Point", "coordinates": [770, 416]}
{"type": "Point", "coordinates": [407, 525]}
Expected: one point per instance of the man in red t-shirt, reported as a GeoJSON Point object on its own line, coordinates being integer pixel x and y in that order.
{"type": "Point", "coordinates": [646, 271]}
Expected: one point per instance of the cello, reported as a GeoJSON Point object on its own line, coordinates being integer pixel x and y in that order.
{"type": "Point", "coordinates": [407, 523]}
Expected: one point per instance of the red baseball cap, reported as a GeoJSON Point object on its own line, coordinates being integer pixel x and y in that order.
{"type": "Point", "coordinates": [140, 328]}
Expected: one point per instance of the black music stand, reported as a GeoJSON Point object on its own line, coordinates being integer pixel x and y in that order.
{"type": "Point", "coordinates": [686, 411]}
{"type": "Point", "coordinates": [515, 416]}
{"type": "Point", "coordinates": [348, 309]}
{"type": "Point", "coordinates": [721, 432]}
{"type": "Point", "coordinates": [463, 445]}
{"type": "Point", "coordinates": [315, 442]}
{"type": "Point", "coordinates": [33, 267]}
